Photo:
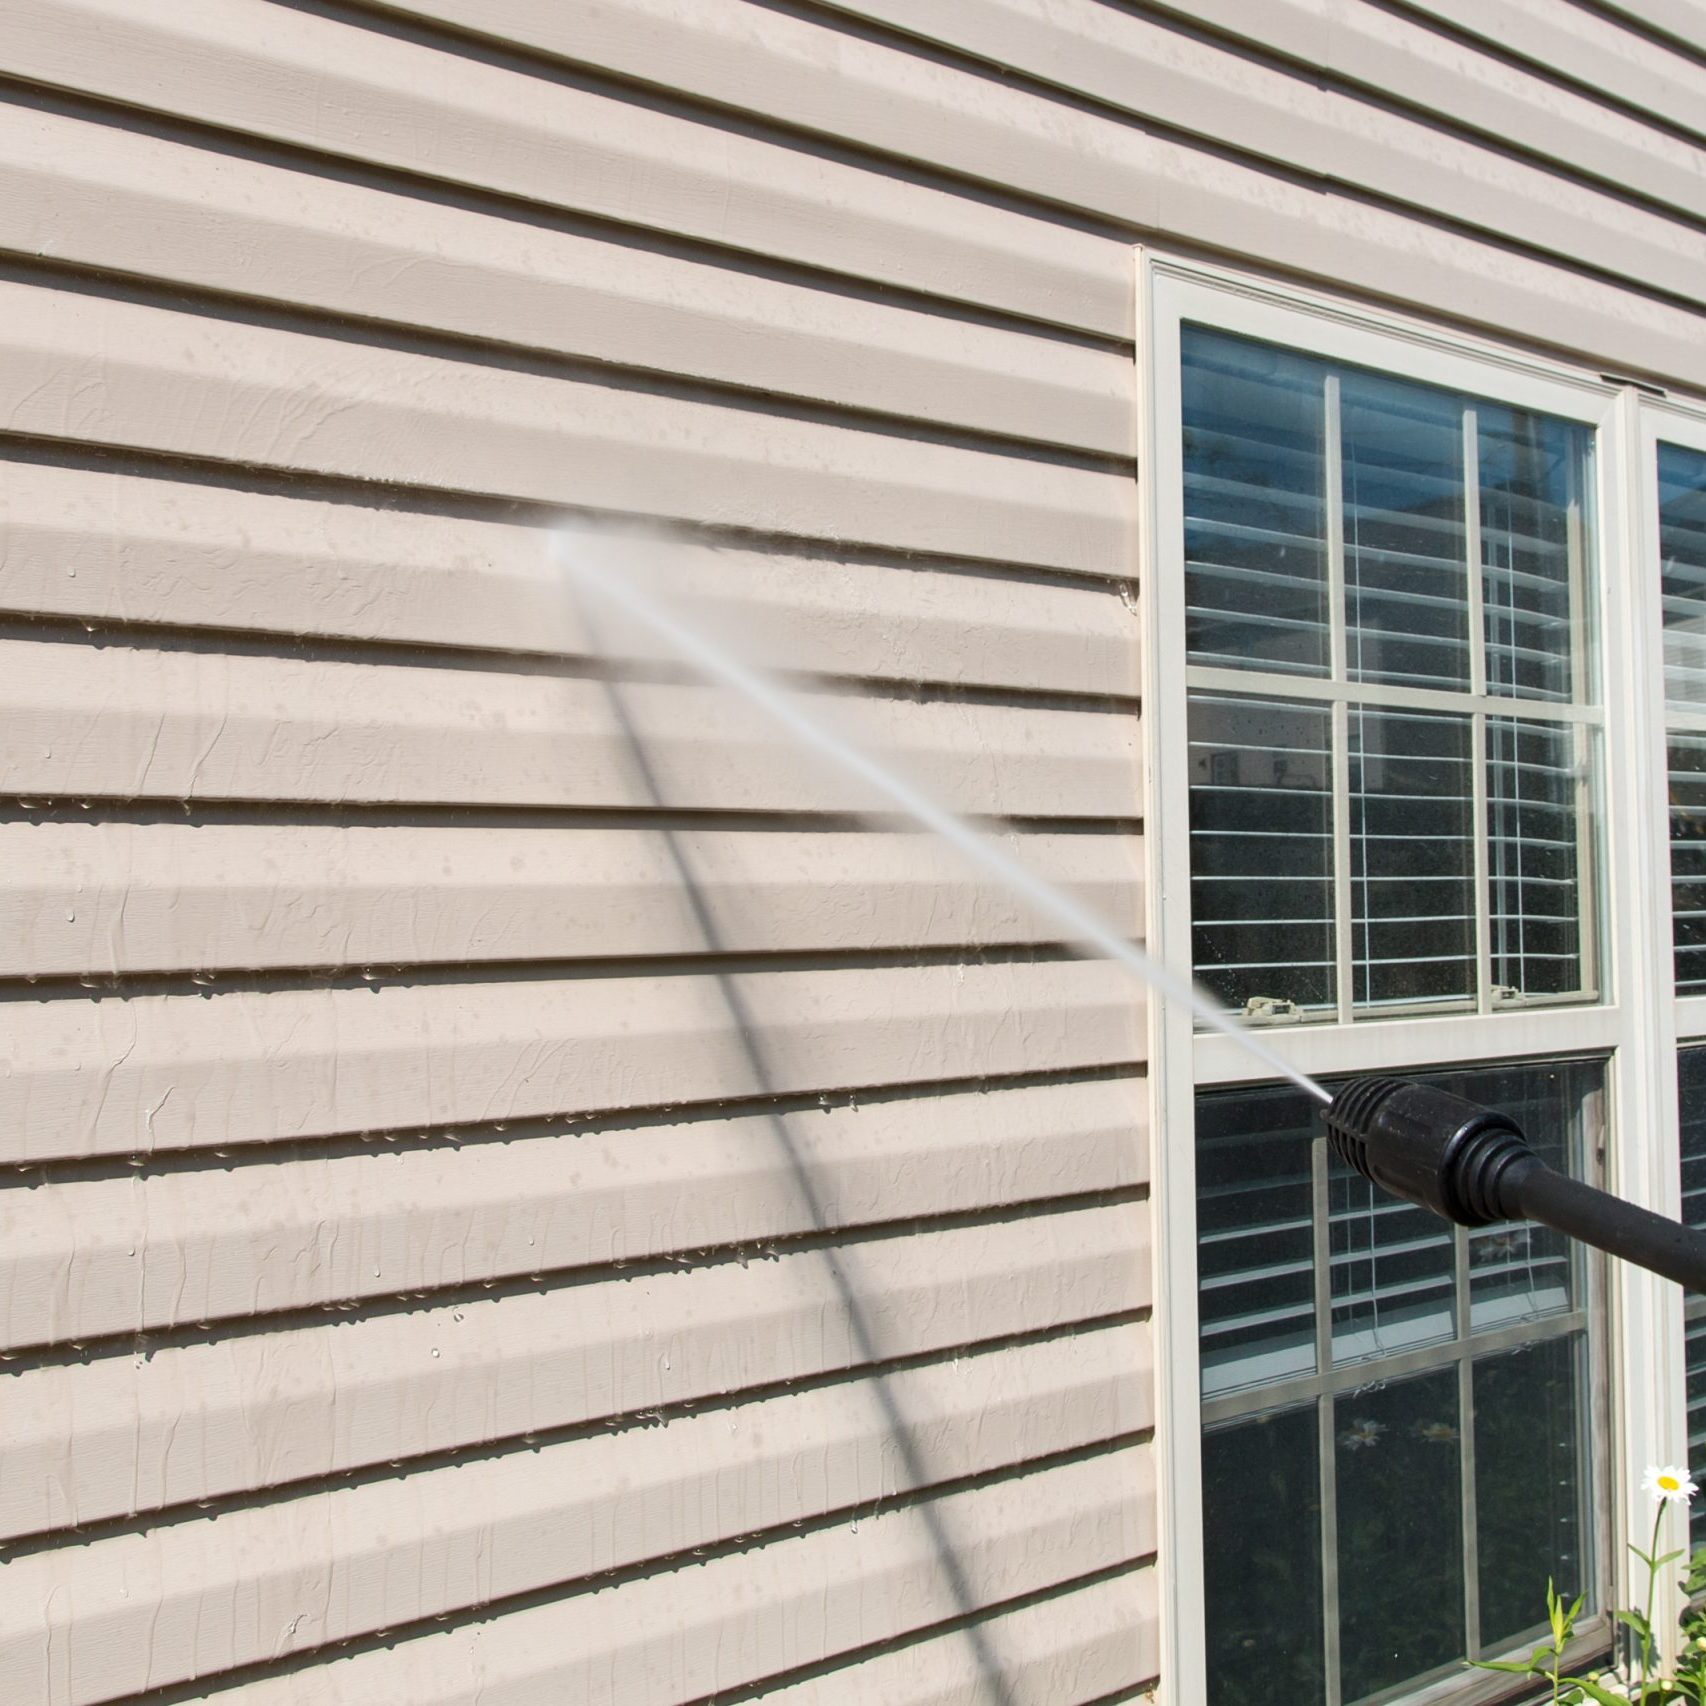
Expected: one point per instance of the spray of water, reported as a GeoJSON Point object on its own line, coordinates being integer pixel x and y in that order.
{"type": "Point", "coordinates": [582, 555]}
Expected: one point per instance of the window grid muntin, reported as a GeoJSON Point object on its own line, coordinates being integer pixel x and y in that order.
{"type": "Point", "coordinates": [1338, 687]}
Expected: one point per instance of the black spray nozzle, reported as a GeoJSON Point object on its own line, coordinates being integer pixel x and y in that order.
{"type": "Point", "coordinates": [1473, 1166]}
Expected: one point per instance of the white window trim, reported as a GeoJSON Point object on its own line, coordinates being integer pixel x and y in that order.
{"type": "Point", "coordinates": [1634, 1020]}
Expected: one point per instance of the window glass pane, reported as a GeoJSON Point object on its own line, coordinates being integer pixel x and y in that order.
{"type": "Point", "coordinates": [1694, 1349]}
{"type": "Point", "coordinates": [1406, 573]}
{"type": "Point", "coordinates": [1256, 1243]}
{"type": "Point", "coordinates": [1400, 1530]}
{"type": "Point", "coordinates": [1394, 1268]}
{"type": "Point", "coordinates": [1688, 859]}
{"type": "Point", "coordinates": [1528, 1494]}
{"type": "Point", "coordinates": [1255, 529]}
{"type": "Point", "coordinates": [1534, 855]}
{"type": "Point", "coordinates": [1682, 570]}
{"type": "Point", "coordinates": [1261, 850]}
{"type": "Point", "coordinates": [1262, 1559]}
{"type": "Point", "coordinates": [1533, 474]}
{"type": "Point", "coordinates": [1412, 858]}
{"type": "Point", "coordinates": [1520, 1271]}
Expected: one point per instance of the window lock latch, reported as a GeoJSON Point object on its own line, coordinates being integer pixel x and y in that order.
{"type": "Point", "coordinates": [1271, 1010]}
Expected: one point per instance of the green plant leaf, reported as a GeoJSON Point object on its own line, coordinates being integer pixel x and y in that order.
{"type": "Point", "coordinates": [1636, 1622]}
{"type": "Point", "coordinates": [1594, 1692]}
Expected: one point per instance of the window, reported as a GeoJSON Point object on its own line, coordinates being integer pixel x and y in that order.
{"type": "Point", "coordinates": [1380, 737]}
{"type": "Point", "coordinates": [1681, 554]}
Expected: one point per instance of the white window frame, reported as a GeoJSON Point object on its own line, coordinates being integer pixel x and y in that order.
{"type": "Point", "coordinates": [1632, 1022]}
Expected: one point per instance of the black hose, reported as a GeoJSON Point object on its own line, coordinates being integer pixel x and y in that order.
{"type": "Point", "coordinates": [1472, 1165]}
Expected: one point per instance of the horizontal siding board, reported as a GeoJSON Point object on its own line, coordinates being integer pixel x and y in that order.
{"type": "Point", "coordinates": [1398, 57]}
{"type": "Point", "coordinates": [148, 1072]}
{"type": "Point", "coordinates": [99, 196]}
{"type": "Point", "coordinates": [129, 722]}
{"type": "Point", "coordinates": [881, 97]}
{"type": "Point", "coordinates": [109, 547]}
{"type": "Point", "coordinates": [1082, 1646]}
{"type": "Point", "coordinates": [99, 1257]}
{"type": "Point", "coordinates": [1596, 53]}
{"type": "Point", "coordinates": [108, 898]}
{"type": "Point", "coordinates": [119, 1435]}
{"type": "Point", "coordinates": [140, 1611]}
{"type": "Point", "coordinates": [1683, 20]}
{"type": "Point", "coordinates": [1116, 172]}
{"type": "Point", "coordinates": [798, 1602]}
{"type": "Point", "coordinates": [125, 374]}
{"type": "Point", "coordinates": [312, 83]}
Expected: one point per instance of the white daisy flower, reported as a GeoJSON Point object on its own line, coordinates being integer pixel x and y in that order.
{"type": "Point", "coordinates": [1666, 1481]}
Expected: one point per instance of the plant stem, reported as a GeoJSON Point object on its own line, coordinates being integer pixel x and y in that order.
{"type": "Point", "coordinates": [1652, 1588]}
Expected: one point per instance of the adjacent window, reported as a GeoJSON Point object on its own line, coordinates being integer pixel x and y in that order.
{"type": "Point", "coordinates": [1393, 738]}
{"type": "Point", "coordinates": [1682, 582]}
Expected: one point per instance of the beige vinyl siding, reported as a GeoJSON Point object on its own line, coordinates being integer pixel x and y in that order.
{"type": "Point", "coordinates": [513, 1194]}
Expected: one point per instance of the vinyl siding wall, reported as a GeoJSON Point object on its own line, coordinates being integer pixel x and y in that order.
{"type": "Point", "coordinates": [512, 1195]}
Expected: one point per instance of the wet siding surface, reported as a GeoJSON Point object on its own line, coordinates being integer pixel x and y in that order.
{"type": "Point", "coordinates": [511, 1194]}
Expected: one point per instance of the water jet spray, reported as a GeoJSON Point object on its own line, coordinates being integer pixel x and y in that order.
{"type": "Point", "coordinates": [1468, 1164]}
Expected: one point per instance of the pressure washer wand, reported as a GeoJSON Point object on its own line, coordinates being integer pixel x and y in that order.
{"type": "Point", "coordinates": [1473, 1166]}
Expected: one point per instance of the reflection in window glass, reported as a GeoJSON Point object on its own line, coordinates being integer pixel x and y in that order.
{"type": "Point", "coordinates": [1688, 859]}
{"type": "Point", "coordinates": [1682, 573]}
{"type": "Point", "coordinates": [1255, 522]}
{"type": "Point", "coordinates": [1398, 1459]}
{"type": "Point", "coordinates": [1528, 1496]}
{"type": "Point", "coordinates": [1532, 475]}
{"type": "Point", "coordinates": [1534, 855]}
{"type": "Point", "coordinates": [1412, 858]}
{"type": "Point", "coordinates": [1261, 850]}
{"type": "Point", "coordinates": [1519, 1270]}
{"type": "Point", "coordinates": [1406, 566]}
{"type": "Point", "coordinates": [1440, 1339]}
{"type": "Point", "coordinates": [1262, 1560]}
{"type": "Point", "coordinates": [1256, 1238]}
{"type": "Point", "coordinates": [1394, 1267]}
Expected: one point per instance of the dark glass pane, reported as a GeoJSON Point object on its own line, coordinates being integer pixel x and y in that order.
{"type": "Point", "coordinates": [1682, 569]}
{"type": "Point", "coordinates": [1255, 529]}
{"type": "Point", "coordinates": [1534, 474]}
{"type": "Point", "coordinates": [1394, 1271]}
{"type": "Point", "coordinates": [1694, 1343]}
{"type": "Point", "coordinates": [1262, 1560]}
{"type": "Point", "coordinates": [1255, 1246]}
{"type": "Point", "coordinates": [1412, 858]}
{"type": "Point", "coordinates": [1398, 1460]}
{"type": "Point", "coordinates": [1406, 560]}
{"type": "Point", "coordinates": [1261, 850]}
{"type": "Point", "coordinates": [1688, 859]}
{"type": "Point", "coordinates": [1691, 1100]}
{"type": "Point", "coordinates": [1534, 875]}
{"type": "Point", "coordinates": [1528, 1483]}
